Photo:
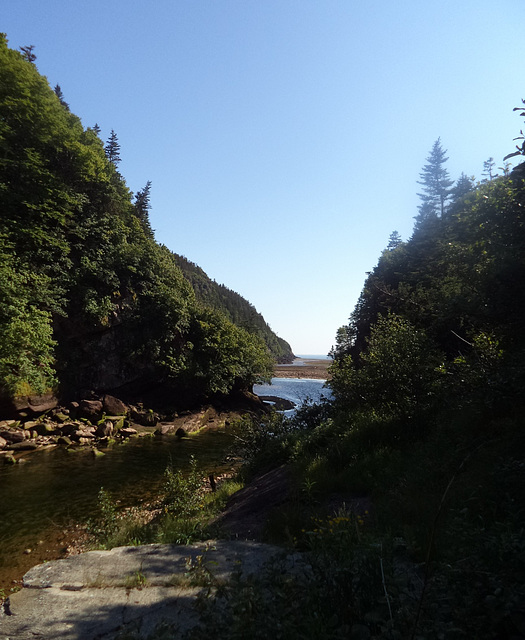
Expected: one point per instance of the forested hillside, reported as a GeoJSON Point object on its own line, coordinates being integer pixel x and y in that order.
{"type": "Point", "coordinates": [88, 299]}
{"type": "Point", "coordinates": [443, 313]}
{"type": "Point", "coordinates": [235, 307]}
{"type": "Point", "coordinates": [412, 507]}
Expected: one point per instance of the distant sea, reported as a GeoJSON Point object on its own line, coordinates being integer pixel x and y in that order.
{"type": "Point", "coordinates": [313, 357]}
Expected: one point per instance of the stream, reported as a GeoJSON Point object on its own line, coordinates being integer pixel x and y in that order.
{"type": "Point", "coordinates": [54, 489]}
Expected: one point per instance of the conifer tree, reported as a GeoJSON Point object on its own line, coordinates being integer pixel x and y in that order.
{"type": "Point", "coordinates": [488, 168]}
{"type": "Point", "coordinates": [112, 148]}
{"type": "Point", "coordinates": [436, 184]}
{"type": "Point", "coordinates": [60, 95]}
{"type": "Point", "coordinates": [27, 52]}
{"type": "Point", "coordinates": [394, 241]}
{"type": "Point", "coordinates": [464, 185]}
{"type": "Point", "coordinates": [142, 207]}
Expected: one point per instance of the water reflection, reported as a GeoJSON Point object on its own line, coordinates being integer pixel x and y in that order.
{"type": "Point", "coordinates": [53, 488]}
{"type": "Point", "coordinates": [297, 390]}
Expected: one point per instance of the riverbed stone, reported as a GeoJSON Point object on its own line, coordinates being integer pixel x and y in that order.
{"type": "Point", "coordinates": [31, 424]}
{"type": "Point", "coordinates": [46, 428]}
{"type": "Point", "coordinates": [9, 424]}
{"type": "Point", "coordinates": [12, 435]}
{"type": "Point", "coordinates": [82, 435]}
{"type": "Point", "coordinates": [26, 445]}
{"type": "Point", "coordinates": [127, 432]}
{"type": "Point", "coordinates": [3, 443]}
{"type": "Point", "coordinates": [113, 406]}
{"type": "Point", "coordinates": [92, 595]}
{"type": "Point", "coordinates": [165, 429]}
{"type": "Point", "coordinates": [70, 427]}
{"type": "Point", "coordinates": [105, 429]}
{"type": "Point", "coordinates": [90, 409]}
{"type": "Point", "coordinates": [73, 407]}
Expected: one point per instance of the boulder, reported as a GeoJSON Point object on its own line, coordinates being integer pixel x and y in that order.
{"type": "Point", "coordinates": [9, 459]}
{"type": "Point", "coordinates": [31, 424]}
{"type": "Point", "coordinates": [165, 429]}
{"type": "Point", "coordinates": [3, 443]}
{"type": "Point", "coordinates": [41, 404]}
{"type": "Point", "coordinates": [12, 435]}
{"type": "Point", "coordinates": [73, 409]}
{"type": "Point", "coordinates": [70, 427]}
{"type": "Point", "coordinates": [33, 405]}
{"type": "Point", "coordinates": [127, 432]}
{"type": "Point", "coordinates": [180, 433]}
{"type": "Point", "coordinates": [90, 409]}
{"type": "Point", "coordinates": [46, 429]}
{"type": "Point", "coordinates": [9, 424]}
{"type": "Point", "coordinates": [105, 429]}
{"type": "Point", "coordinates": [82, 435]}
{"type": "Point", "coordinates": [144, 417]}
{"type": "Point", "coordinates": [64, 440]}
{"type": "Point", "coordinates": [113, 406]}
{"type": "Point", "coordinates": [27, 445]}
{"type": "Point", "coordinates": [118, 422]}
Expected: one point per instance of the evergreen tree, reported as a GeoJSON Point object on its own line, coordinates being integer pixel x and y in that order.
{"type": "Point", "coordinates": [96, 128]}
{"type": "Point", "coordinates": [142, 207]}
{"type": "Point", "coordinates": [59, 94]}
{"type": "Point", "coordinates": [436, 184]}
{"type": "Point", "coordinates": [394, 241]}
{"type": "Point", "coordinates": [464, 185]}
{"type": "Point", "coordinates": [28, 54]}
{"type": "Point", "coordinates": [112, 148]}
{"type": "Point", "coordinates": [488, 168]}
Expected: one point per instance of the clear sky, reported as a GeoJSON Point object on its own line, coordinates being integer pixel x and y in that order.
{"type": "Point", "coordinates": [284, 138]}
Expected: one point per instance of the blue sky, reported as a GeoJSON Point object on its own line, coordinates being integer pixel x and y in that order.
{"type": "Point", "coordinates": [284, 138]}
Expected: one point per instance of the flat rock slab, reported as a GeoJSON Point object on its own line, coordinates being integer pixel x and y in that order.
{"type": "Point", "coordinates": [100, 595]}
{"type": "Point", "coordinates": [247, 510]}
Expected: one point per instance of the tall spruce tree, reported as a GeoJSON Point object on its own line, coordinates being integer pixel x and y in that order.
{"type": "Point", "coordinates": [464, 185]}
{"type": "Point", "coordinates": [436, 184]}
{"type": "Point", "coordinates": [112, 148]}
{"type": "Point", "coordinates": [142, 207]}
{"type": "Point", "coordinates": [394, 241]}
{"type": "Point", "coordinates": [60, 95]}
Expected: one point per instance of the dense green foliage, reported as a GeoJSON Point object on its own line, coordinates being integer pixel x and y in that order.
{"type": "Point", "coordinates": [423, 440]}
{"type": "Point", "coordinates": [235, 307]}
{"type": "Point", "coordinates": [88, 298]}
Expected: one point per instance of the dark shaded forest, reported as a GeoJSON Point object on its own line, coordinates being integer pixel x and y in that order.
{"type": "Point", "coordinates": [408, 487]}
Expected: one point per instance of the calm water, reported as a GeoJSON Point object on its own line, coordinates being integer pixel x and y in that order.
{"type": "Point", "coordinates": [297, 390]}
{"type": "Point", "coordinates": [55, 488]}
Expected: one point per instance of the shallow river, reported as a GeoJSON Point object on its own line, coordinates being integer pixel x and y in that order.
{"type": "Point", "coordinates": [56, 488]}
{"type": "Point", "coordinates": [297, 390]}
{"type": "Point", "coordinates": [53, 489]}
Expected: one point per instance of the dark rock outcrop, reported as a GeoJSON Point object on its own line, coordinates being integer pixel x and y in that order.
{"type": "Point", "coordinates": [90, 409]}
{"type": "Point", "coordinates": [113, 406]}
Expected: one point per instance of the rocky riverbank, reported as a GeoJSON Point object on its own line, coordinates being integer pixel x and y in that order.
{"type": "Point", "coordinates": [130, 590]}
{"type": "Point", "coordinates": [98, 422]}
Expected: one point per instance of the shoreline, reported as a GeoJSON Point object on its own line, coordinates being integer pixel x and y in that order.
{"type": "Point", "coordinates": [304, 368]}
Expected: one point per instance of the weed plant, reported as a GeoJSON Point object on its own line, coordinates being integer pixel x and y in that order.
{"type": "Point", "coordinates": [187, 509]}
